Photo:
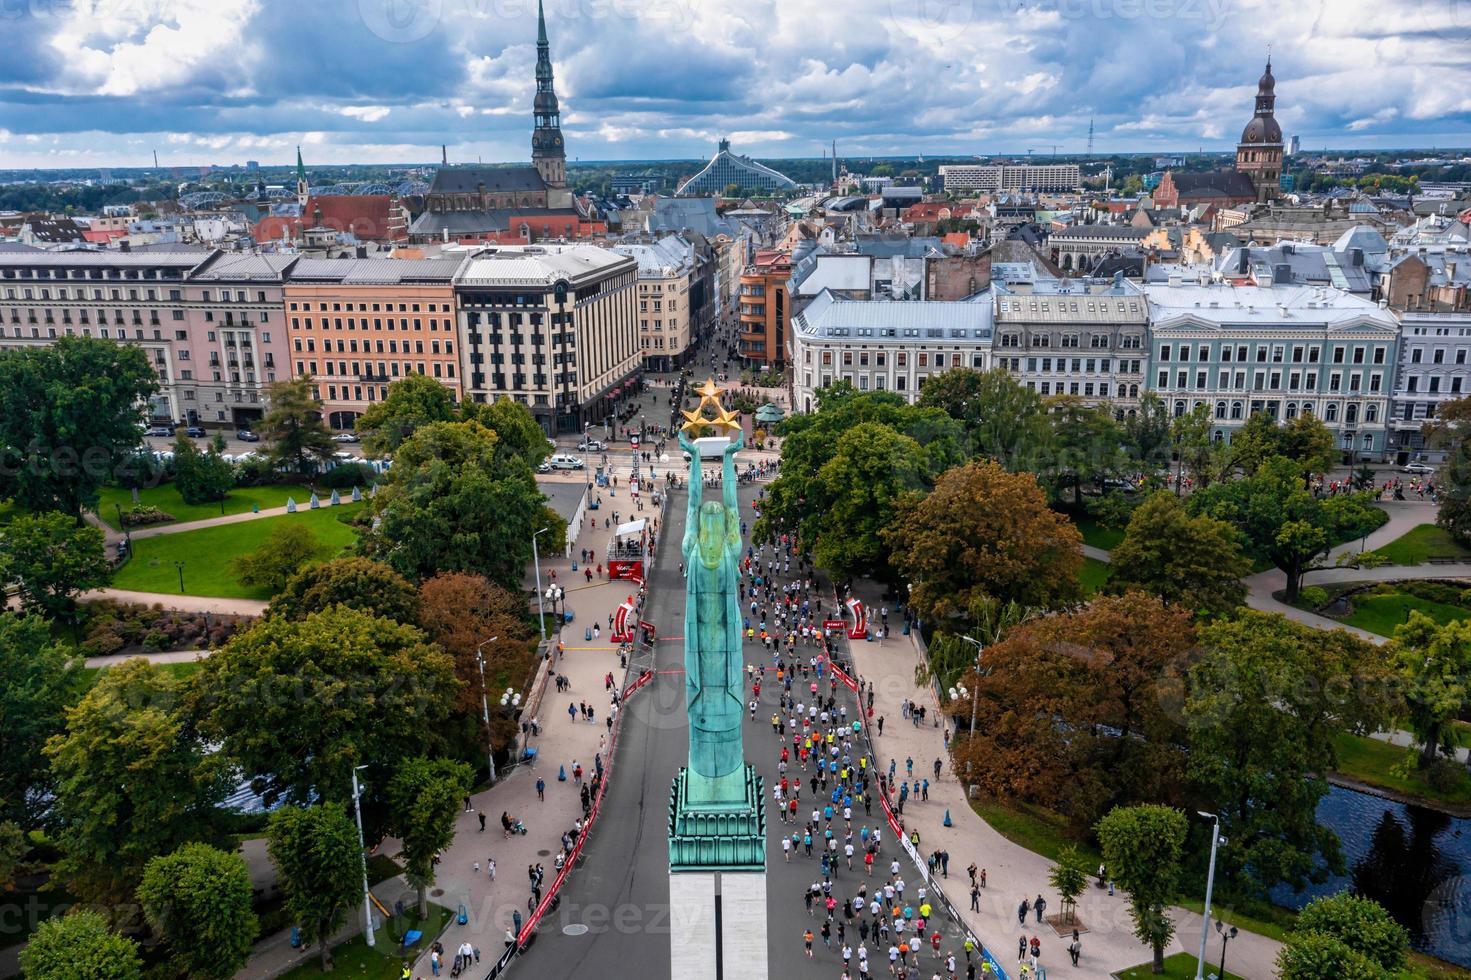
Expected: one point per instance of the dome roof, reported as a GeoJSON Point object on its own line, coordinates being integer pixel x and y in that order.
{"type": "Point", "coordinates": [1262, 129]}
{"type": "Point", "coordinates": [1266, 85]}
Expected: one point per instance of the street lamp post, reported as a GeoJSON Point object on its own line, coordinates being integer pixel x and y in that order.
{"type": "Point", "coordinates": [180, 566]}
{"type": "Point", "coordinates": [1210, 881]}
{"type": "Point", "coordinates": [363, 857]}
{"type": "Point", "coordinates": [485, 709]}
{"type": "Point", "coordinates": [1227, 933]}
{"type": "Point", "coordinates": [975, 696]}
{"type": "Point", "coordinates": [536, 559]}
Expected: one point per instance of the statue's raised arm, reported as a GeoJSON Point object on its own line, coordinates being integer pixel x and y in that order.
{"type": "Point", "coordinates": [728, 487]}
{"type": "Point", "coordinates": [696, 488]}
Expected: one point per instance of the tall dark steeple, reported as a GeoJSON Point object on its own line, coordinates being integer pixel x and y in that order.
{"type": "Point", "coordinates": [1259, 154]}
{"type": "Point", "coordinates": [547, 153]}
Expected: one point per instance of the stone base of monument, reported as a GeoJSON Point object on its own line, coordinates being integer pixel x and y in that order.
{"type": "Point", "coordinates": [717, 884]}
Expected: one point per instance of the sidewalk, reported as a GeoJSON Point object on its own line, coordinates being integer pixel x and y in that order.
{"type": "Point", "coordinates": [1013, 872]}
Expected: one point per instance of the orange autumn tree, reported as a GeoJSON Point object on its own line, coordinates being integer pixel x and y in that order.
{"type": "Point", "coordinates": [1076, 713]}
{"type": "Point", "coordinates": [460, 611]}
{"type": "Point", "coordinates": [984, 533]}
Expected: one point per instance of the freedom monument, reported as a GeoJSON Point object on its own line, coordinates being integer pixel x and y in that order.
{"type": "Point", "coordinates": [717, 824]}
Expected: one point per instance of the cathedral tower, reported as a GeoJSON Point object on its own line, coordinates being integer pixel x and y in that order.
{"type": "Point", "coordinates": [1259, 154]}
{"type": "Point", "coordinates": [547, 153]}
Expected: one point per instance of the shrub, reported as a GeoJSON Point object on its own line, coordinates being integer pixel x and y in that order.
{"type": "Point", "coordinates": [1450, 593]}
{"type": "Point", "coordinates": [286, 550]}
{"type": "Point", "coordinates": [1445, 775]}
{"type": "Point", "coordinates": [257, 472]}
{"type": "Point", "coordinates": [345, 476]}
{"type": "Point", "coordinates": [112, 626]}
{"type": "Point", "coordinates": [1313, 597]}
{"type": "Point", "coordinates": [144, 515]}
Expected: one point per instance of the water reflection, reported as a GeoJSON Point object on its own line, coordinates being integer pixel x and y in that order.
{"type": "Point", "coordinates": [1415, 862]}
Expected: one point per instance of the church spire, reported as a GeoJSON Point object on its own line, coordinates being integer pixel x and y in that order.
{"type": "Point", "coordinates": [547, 153]}
{"type": "Point", "coordinates": [303, 190]}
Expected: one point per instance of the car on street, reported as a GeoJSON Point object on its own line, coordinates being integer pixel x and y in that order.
{"type": "Point", "coordinates": [245, 435]}
{"type": "Point", "coordinates": [1421, 469]}
{"type": "Point", "coordinates": [345, 437]}
{"type": "Point", "coordinates": [562, 461]}
{"type": "Point", "coordinates": [592, 446]}
{"type": "Point", "coordinates": [159, 431]}
{"type": "Point", "coordinates": [544, 467]}
{"type": "Point", "coordinates": [195, 432]}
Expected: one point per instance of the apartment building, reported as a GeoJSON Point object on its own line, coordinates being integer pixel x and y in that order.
{"type": "Point", "coordinates": [1022, 178]}
{"type": "Point", "coordinates": [358, 325]}
{"type": "Point", "coordinates": [554, 327]}
{"type": "Point", "coordinates": [667, 277]}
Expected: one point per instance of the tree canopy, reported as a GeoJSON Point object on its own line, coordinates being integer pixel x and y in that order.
{"type": "Point", "coordinates": [199, 900]}
{"type": "Point", "coordinates": [358, 583]}
{"type": "Point", "coordinates": [39, 680]}
{"type": "Point", "coordinates": [53, 558]}
{"type": "Point", "coordinates": [280, 556]}
{"type": "Point", "coordinates": [1142, 846]}
{"type": "Point", "coordinates": [413, 402]}
{"type": "Point", "coordinates": [1193, 561]}
{"type": "Point", "coordinates": [1003, 418]}
{"type": "Point", "coordinates": [423, 800]}
{"type": "Point", "coordinates": [293, 428]}
{"type": "Point", "coordinates": [80, 946]}
{"type": "Point", "coordinates": [298, 703]}
{"type": "Point", "coordinates": [1435, 663]}
{"type": "Point", "coordinates": [200, 476]}
{"type": "Point", "coordinates": [984, 532]}
{"type": "Point", "coordinates": [71, 413]}
{"type": "Point", "coordinates": [319, 860]}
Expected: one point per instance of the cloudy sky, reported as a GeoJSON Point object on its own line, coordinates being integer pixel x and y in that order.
{"type": "Point", "coordinates": [106, 82]}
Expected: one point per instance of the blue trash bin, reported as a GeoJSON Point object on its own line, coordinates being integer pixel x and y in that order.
{"type": "Point", "coordinates": [587, 635]}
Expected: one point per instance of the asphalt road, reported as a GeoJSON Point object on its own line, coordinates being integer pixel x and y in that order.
{"type": "Point", "coordinates": [620, 893]}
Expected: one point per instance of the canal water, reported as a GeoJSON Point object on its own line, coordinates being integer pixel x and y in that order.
{"type": "Point", "coordinates": [1413, 861]}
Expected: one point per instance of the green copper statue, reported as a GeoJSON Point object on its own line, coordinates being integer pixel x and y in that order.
{"type": "Point", "coordinates": [712, 633]}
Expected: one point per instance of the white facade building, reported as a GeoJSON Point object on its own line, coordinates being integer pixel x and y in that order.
{"type": "Point", "coordinates": [1023, 178]}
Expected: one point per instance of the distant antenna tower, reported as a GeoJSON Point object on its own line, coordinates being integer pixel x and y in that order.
{"type": "Point", "coordinates": [1090, 136]}
{"type": "Point", "coordinates": [155, 159]}
{"type": "Point", "coordinates": [835, 161]}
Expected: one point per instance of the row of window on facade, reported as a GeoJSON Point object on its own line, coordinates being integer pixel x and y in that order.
{"type": "Point", "coordinates": [1276, 352]}
{"type": "Point", "coordinates": [1096, 341]}
{"type": "Point", "coordinates": [149, 295]}
{"type": "Point", "coordinates": [1236, 411]}
{"type": "Point", "coordinates": [351, 346]}
{"type": "Point", "coordinates": [1270, 380]}
{"type": "Point", "coordinates": [305, 323]}
{"type": "Point", "coordinates": [337, 307]}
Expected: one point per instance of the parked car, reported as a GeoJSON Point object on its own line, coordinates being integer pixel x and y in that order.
{"type": "Point", "coordinates": [543, 467]}
{"type": "Point", "coordinates": [345, 437]}
{"type": "Point", "coordinates": [195, 432]}
{"type": "Point", "coordinates": [159, 431]}
{"type": "Point", "coordinates": [592, 446]}
{"type": "Point", "coordinates": [245, 435]}
{"type": "Point", "coordinates": [1422, 469]}
{"type": "Point", "coordinates": [562, 461]}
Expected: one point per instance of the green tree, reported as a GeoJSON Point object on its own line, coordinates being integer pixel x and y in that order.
{"type": "Point", "coordinates": [412, 403]}
{"type": "Point", "coordinates": [14, 847]}
{"type": "Point", "coordinates": [423, 800]}
{"type": "Point", "coordinates": [1004, 419]}
{"type": "Point", "coordinates": [1281, 521]}
{"type": "Point", "coordinates": [132, 781]}
{"type": "Point", "coordinates": [1309, 443]}
{"type": "Point", "coordinates": [358, 583]}
{"type": "Point", "coordinates": [1435, 664]}
{"type": "Point", "coordinates": [1361, 924]}
{"type": "Point", "coordinates": [984, 532]}
{"type": "Point", "coordinates": [1264, 702]}
{"type": "Point", "coordinates": [1083, 449]}
{"type": "Point", "coordinates": [431, 510]}
{"type": "Point", "coordinates": [53, 558]}
{"type": "Point", "coordinates": [200, 477]}
{"type": "Point", "coordinates": [71, 412]}
{"type": "Point", "coordinates": [517, 432]}
{"type": "Point", "coordinates": [293, 428]}
{"type": "Point", "coordinates": [1148, 433]}
{"type": "Point", "coordinates": [298, 703]}
{"type": "Point", "coordinates": [1069, 877]}
{"type": "Point", "coordinates": [1451, 431]}
{"type": "Point", "coordinates": [1193, 561]}
{"type": "Point", "coordinates": [283, 554]}
{"type": "Point", "coordinates": [199, 900]}
{"type": "Point", "coordinates": [80, 946]}
{"type": "Point", "coordinates": [1198, 453]}
{"type": "Point", "coordinates": [1259, 440]}
{"type": "Point", "coordinates": [39, 680]}
{"type": "Point", "coordinates": [1142, 846]}
{"type": "Point", "coordinates": [872, 467]}
{"type": "Point", "coordinates": [1315, 956]}
{"type": "Point", "coordinates": [317, 855]}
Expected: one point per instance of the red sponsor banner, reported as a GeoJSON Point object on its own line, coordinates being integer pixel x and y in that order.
{"type": "Point", "coordinates": [834, 624]}
{"type": "Point", "coordinates": [622, 632]}
{"type": "Point", "coordinates": [626, 568]}
{"type": "Point", "coordinates": [860, 620]}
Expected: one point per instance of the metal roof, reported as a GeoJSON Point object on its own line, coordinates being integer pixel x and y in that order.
{"type": "Point", "coordinates": [827, 316]}
{"type": "Point", "coordinates": [540, 265]}
{"type": "Point", "coordinates": [364, 272]}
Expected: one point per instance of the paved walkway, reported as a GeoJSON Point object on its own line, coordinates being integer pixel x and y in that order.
{"type": "Point", "coordinates": [1013, 872]}
{"type": "Point", "coordinates": [183, 603]}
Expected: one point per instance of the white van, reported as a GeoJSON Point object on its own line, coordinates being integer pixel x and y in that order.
{"type": "Point", "coordinates": [562, 461]}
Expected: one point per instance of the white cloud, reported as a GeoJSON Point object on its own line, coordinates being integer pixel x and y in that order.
{"type": "Point", "coordinates": [365, 113]}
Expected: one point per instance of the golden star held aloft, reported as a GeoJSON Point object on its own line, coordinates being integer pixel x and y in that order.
{"type": "Point", "coordinates": [694, 421]}
{"type": "Point", "coordinates": [708, 391]}
{"type": "Point", "coordinates": [729, 421]}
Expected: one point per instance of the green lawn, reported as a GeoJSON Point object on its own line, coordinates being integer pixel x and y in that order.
{"type": "Point", "coordinates": [1097, 535]}
{"type": "Point", "coordinates": [1383, 613]}
{"type": "Point", "coordinates": [207, 554]}
{"type": "Point", "coordinates": [1416, 546]}
{"type": "Point", "coordinates": [180, 671]}
{"type": "Point", "coordinates": [1035, 828]}
{"type": "Point", "coordinates": [166, 498]}
{"type": "Point", "coordinates": [355, 958]}
{"type": "Point", "coordinates": [1094, 575]}
{"type": "Point", "coordinates": [1181, 966]}
{"type": "Point", "coordinates": [1377, 763]}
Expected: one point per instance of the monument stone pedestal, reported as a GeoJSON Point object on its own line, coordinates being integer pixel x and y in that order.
{"type": "Point", "coordinates": [717, 884]}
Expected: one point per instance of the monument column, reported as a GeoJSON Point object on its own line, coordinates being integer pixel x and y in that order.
{"type": "Point", "coordinates": [717, 820]}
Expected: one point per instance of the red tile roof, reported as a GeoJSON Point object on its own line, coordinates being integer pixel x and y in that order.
{"type": "Point", "coordinates": [370, 218]}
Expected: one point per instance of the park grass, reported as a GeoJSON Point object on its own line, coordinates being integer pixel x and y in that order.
{"type": "Point", "coordinates": [381, 867]}
{"type": "Point", "coordinates": [1420, 543]}
{"type": "Point", "coordinates": [1180, 966]}
{"type": "Point", "coordinates": [166, 498]}
{"type": "Point", "coordinates": [357, 959]}
{"type": "Point", "coordinates": [1035, 828]}
{"type": "Point", "coordinates": [1377, 763]}
{"type": "Point", "coordinates": [208, 552]}
{"type": "Point", "coordinates": [1094, 575]}
{"type": "Point", "coordinates": [1098, 536]}
{"type": "Point", "coordinates": [1382, 614]}
{"type": "Point", "coordinates": [179, 671]}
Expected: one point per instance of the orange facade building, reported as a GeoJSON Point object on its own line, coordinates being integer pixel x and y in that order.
{"type": "Point", "coordinates": [764, 309]}
{"type": "Point", "coordinates": [355, 326]}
